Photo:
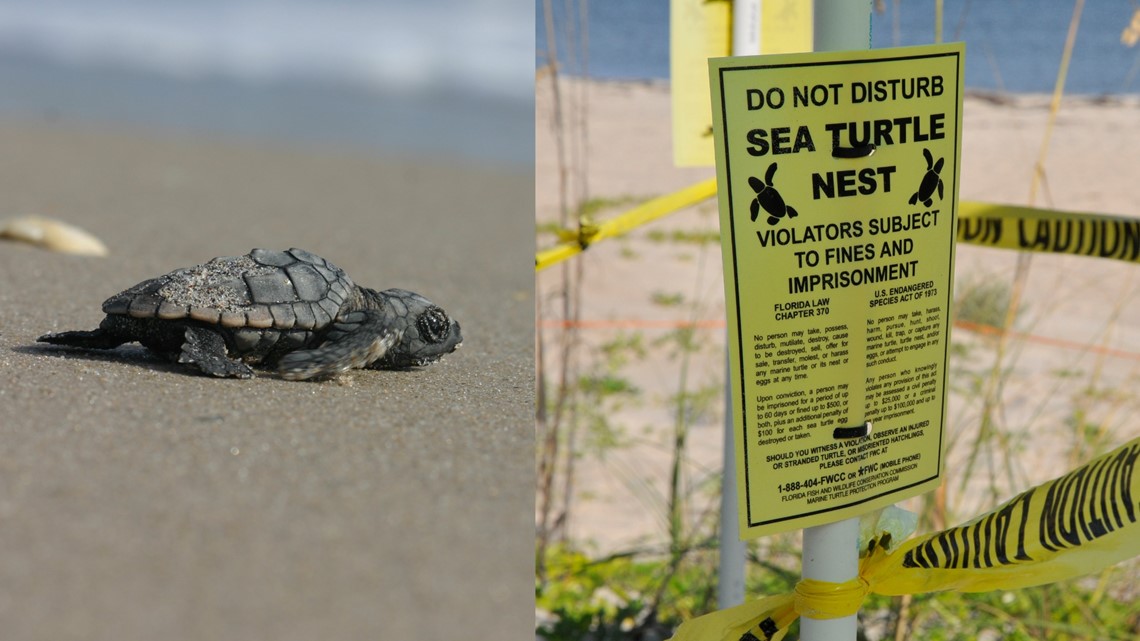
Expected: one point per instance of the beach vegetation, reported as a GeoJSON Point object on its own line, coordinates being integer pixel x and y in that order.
{"type": "Point", "coordinates": [684, 236]}
{"type": "Point", "coordinates": [667, 299]}
{"type": "Point", "coordinates": [645, 588]}
{"type": "Point", "coordinates": [983, 301]}
{"type": "Point", "coordinates": [599, 204]}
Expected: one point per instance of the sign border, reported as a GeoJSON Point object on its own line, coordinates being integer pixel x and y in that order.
{"type": "Point", "coordinates": [864, 59]}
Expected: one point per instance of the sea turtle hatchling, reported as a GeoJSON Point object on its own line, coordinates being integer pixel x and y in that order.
{"type": "Point", "coordinates": [292, 310]}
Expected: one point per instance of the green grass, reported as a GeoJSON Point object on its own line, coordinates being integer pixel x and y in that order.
{"type": "Point", "coordinates": [674, 299]}
{"type": "Point", "coordinates": [550, 228]}
{"type": "Point", "coordinates": [587, 211]}
{"type": "Point", "coordinates": [606, 384]}
{"type": "Point", "coordinates": [683, 236]}
{"type": "Point", "coordinates": [983, 301]}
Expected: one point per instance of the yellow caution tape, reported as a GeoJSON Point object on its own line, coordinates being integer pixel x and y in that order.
{"type": "Point", "coordinates": [1074, 525]}
{"type": "Point", "coordinates": [766, 618]}
{"type": "Point", "coordinates": [825, 600]}
{"type": "Point", "coordinates": [1049, 230]}
{"type": "Point", "coordinates": [640, 215]}
{"type": "Point", "coordinates": [987, 224]}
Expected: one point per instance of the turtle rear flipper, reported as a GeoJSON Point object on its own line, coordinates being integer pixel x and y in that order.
{"type": "Point", "coordinates": [206, 349]}
{"type": "Point", "coordinates": [94, 339]}
{"type": "Point", "coordinates": [354, 341]}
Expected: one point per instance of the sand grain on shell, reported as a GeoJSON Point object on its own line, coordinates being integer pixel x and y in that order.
{"type": "Point", "coordinates": [218, 284]}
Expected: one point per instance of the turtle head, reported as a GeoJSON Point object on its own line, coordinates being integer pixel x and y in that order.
{"type": "Point", "coordinates": [426, 332]}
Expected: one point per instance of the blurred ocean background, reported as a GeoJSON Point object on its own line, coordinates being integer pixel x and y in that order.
{"type": "Point", "coordinates": [1011, 45]}
{"type": "Point", "coordinates": [429, 78]}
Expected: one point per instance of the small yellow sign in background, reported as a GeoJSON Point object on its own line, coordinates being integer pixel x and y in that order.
{"type": "Point", "coordinates": [837, 175]}
{"type": "Point", "coordinates": [702, 29]}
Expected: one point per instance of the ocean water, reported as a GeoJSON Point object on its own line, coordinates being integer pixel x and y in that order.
{"type": "Point", "coordinates": [1011, 45]}
{"type": "Point", "coordinates": [432, 77]}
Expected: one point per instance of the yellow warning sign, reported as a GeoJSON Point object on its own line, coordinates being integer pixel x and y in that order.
{"type": "Point", "coordinates": [698, 31]}
{"type": "Point", "coordinates": [1077, 524]}
{"type": "Point", "coordinates": [837, 175]}
{"type": "Point", "coordinates": [702, 29]}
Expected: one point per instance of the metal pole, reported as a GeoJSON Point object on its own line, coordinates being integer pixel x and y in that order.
{"type": "Point", "coordinates": [841, 25]}
{"type": "Point", "coordinates": [831, 551]}
{"type": "Point", "coordinates": [746, 27]}
{"type": "Point", "coordinates": [831, 554]}
{"type": "Point", "coordinates": [730, 578]}
{"type": "Point", "coordinates": [730, 581]}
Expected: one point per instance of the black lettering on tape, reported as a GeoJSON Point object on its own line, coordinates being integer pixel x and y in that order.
{"type": "Point", "coordinates": [1005, 518]}
{"type": "Point", "coordinates": [991, 546]}
{"type": "Point", "coordinates": [1092, 501]}
{"type": "Point", "coordinates": [1106, 238]}
{"type": "Point", "coordinates": [1068, 516]}
{"type": "Point", "coordinates": [977, 544]}
{"type": "Point", "coordinates": [1092, 526]}
{"type": "Point", "coordinates": [965, 547]}
{"type": "Point", "coordinates": [986, 538]}
{"type": "Point", "coordinates": [945, 545]}
{"type": "Point", "coordinates": [983, 231]}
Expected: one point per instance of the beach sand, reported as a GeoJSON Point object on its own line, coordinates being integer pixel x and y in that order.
{"type": "Point", "coordinates": [1079, 363]}
{"type": "Point", "coordinates": [141, 501]}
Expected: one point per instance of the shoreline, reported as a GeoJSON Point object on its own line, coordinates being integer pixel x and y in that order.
{"type": "Point", "coordinates": [380, 121]}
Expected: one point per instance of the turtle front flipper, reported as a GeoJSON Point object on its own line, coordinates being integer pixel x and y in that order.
{"type": "Point", "coordinates": [94, 339]}
{"type": "Point", "coordinates": [353, 341]}
{"type": "Point", "coordinates": [206, 349]}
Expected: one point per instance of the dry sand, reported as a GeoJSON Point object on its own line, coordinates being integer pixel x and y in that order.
{"type": "Point", "coordinates": [1092, 166]}
{"type": "Point", "coordinates": [140, 501]}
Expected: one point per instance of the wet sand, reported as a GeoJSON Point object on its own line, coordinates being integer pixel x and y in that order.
{"type": "Point", "coordinates": [139, 500]}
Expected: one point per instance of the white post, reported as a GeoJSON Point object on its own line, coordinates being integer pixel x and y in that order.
{"type": "Point", "coordinates": [831, 554]}
{"type": "Point", "coordinates": [730, 580]}
{"type": "Point", "coordinates": [746, 27]}
{"type": "Point", "coordinates": [831, 551]}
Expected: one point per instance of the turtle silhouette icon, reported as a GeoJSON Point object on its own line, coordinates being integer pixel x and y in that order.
{"type": "Point", "coordinates": [768, 198]}
{"type": "Point", "coordinates": [930, 181]}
